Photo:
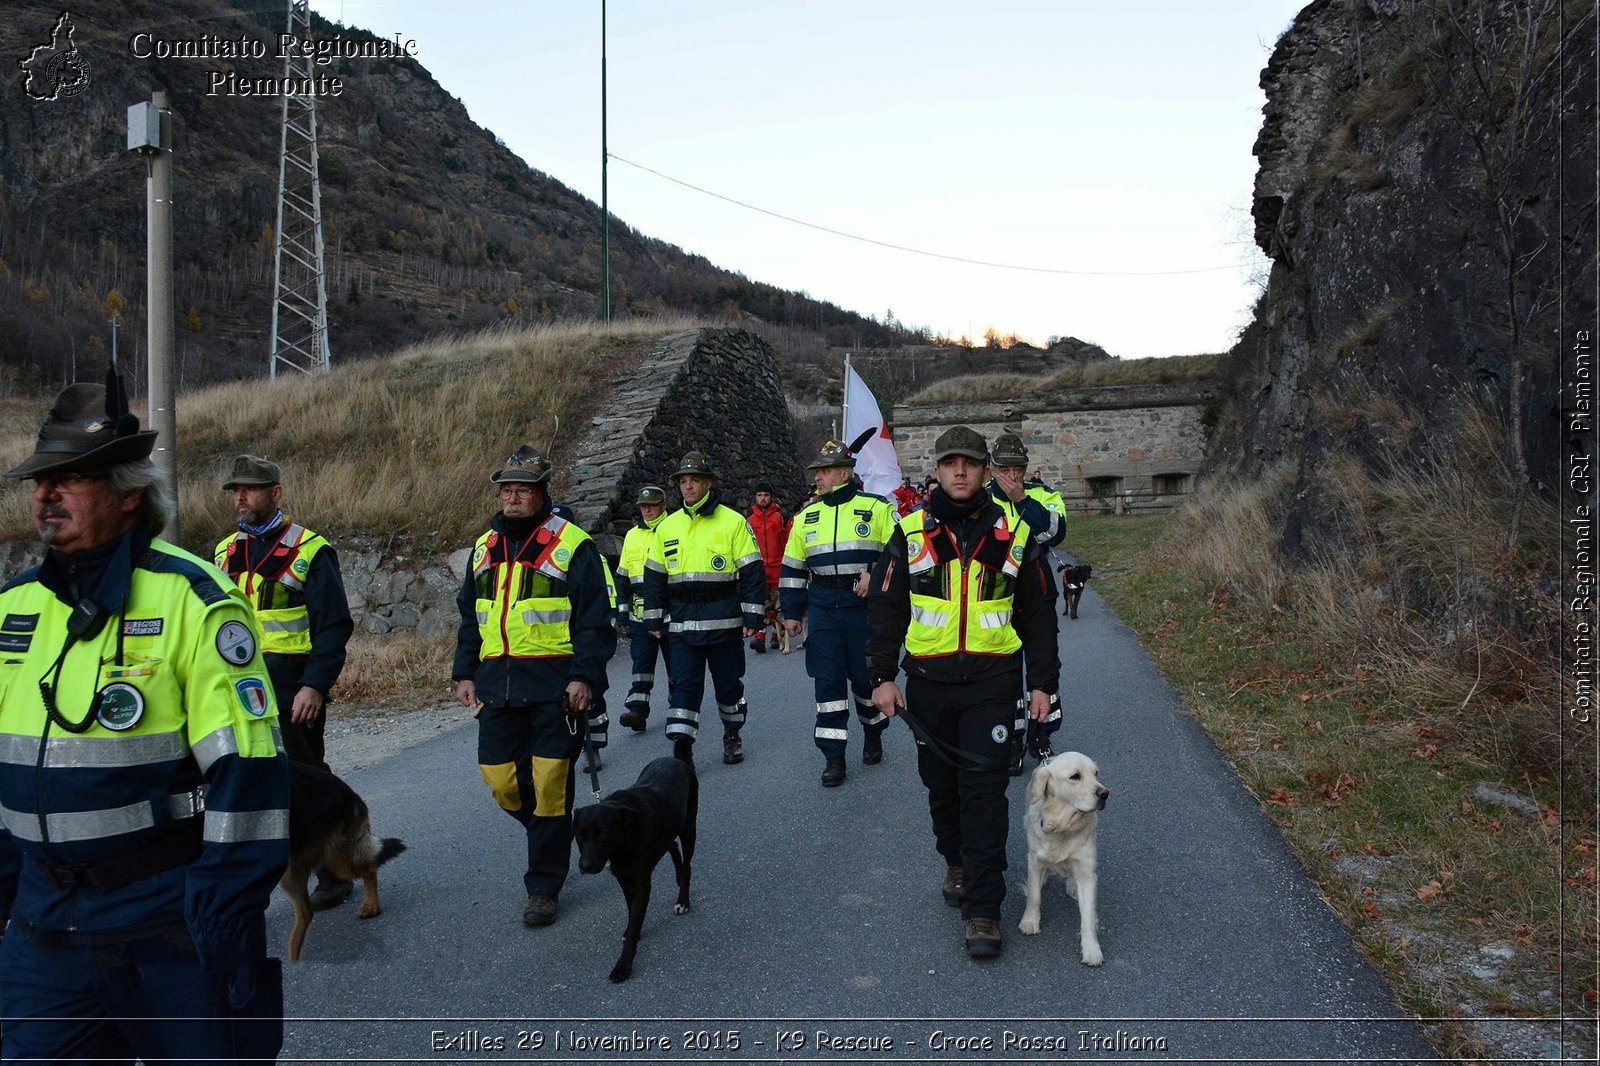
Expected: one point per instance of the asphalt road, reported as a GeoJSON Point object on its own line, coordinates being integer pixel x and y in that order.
{"type": "Point", "coordinates": [818, 932]}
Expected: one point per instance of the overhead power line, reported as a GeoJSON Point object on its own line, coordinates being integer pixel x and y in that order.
{"type": "Point", "coordinates": [920, 251]}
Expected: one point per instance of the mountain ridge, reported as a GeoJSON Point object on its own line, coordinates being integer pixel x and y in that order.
{"type": "Point", "coordinates": [432, 225]}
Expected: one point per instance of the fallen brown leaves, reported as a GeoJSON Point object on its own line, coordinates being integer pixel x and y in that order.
{"type": "Point", "coordinates": [1334, 792]}
{"type": "Point", "coordinates": [1281, 797]}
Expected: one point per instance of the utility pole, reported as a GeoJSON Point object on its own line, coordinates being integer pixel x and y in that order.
{"type": "Point", "coordinates": [150, 134]}
{"type": "Point", "coordinates": [299, 289]}
{"type": "Point", "coordinates": [605, 204]}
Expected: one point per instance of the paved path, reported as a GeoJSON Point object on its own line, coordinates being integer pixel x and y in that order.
{"type": "Point", "coordinates": [818, 933]}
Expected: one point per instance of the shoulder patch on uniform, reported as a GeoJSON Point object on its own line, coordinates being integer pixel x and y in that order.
{"type": "Point", "coordinates": [235, 643]}
{"type": "Point", "coordinates": [252, 695]}
{"type": "Point", "coordinates": [301, 568]}
{"type": "Point", "coordinates": [203, 584]}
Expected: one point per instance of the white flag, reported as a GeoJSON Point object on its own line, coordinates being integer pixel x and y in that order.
{"type": "Point", "coordinates": [876, 461]}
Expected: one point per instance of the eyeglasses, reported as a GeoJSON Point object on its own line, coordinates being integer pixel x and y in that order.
{"type": "Point", "coordinates": [518, 491]}
{"type": "Point", "coordinates": [71, 482]}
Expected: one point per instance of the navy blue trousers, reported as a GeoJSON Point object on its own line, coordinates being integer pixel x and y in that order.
{"type": "Point", "coordinates": [686, 684]}
{"type": "Point", "coordinates": [644, 648]}
{"type": "Point", "coordinates": [836, 660]}
{"type": "Point", "coordinates": [111, 999]}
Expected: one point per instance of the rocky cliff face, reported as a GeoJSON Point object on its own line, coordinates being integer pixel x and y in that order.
{"type": "Point", "coordinates": [1426, 195]}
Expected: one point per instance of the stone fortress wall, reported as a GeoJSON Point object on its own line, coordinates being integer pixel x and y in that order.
{"type": "Point", "coordinates": [1122, 448]}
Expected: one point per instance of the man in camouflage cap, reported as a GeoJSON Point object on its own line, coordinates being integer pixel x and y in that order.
{"type": "Point", "coordinates": [290, 575]}
{"type": "Point", "coordinates": [966, 593]}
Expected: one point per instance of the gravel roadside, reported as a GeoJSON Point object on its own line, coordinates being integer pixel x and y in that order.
{"type": "Point", "coordinates": [359, 737]}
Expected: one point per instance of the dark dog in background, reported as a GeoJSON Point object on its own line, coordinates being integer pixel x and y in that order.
{"type": "Point", "coordinates": [1073, 578]}
{"type": "Point", "coordinates": [329, 829]}
{"type": "Point", "coordinates": [633, 828]}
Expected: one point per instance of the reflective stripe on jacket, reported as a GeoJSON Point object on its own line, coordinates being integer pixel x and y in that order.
{"type": "Point", "coordinates": [180, 722]}
{"type": "Point", "coordinates": [1053, 528]}
{"type": "Point", "coordinates": [274, 585]}
{"type": "Point", "coordinates": [962, 605]}
{"type": "Point", "coordinates": [523, 610]}
{"type": "Point", "coordinates": [837, 536]}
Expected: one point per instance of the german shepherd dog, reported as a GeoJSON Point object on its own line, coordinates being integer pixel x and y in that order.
{"type": "Point", "coordinates": [633, 828]}
{"type": "Point", "coordinates": [329, 829]}
{"type": "Point", "coordinates": [1073, 578]}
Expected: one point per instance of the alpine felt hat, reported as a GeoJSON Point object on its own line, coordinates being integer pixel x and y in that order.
{"type": "Point", "coordinates": [79, 434]}
{"type": "Point", "coordinates": [252, 470]}
{"type": "Point", "coordinates": [524, 465]}
{"type": "Point", "coordinates": [652, 495]}
{"type": "Point", "coordinates": [695, 463]}
{"type": "Point", "coordinates": [1009, 451]}
{"type": "Point", "coordinates": [832, 453]}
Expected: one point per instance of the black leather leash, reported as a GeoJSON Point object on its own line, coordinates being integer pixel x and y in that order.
{"type": "Point", "coordinates": [939, 747]}
{"type": "Point", "coordinates": [577, 720]}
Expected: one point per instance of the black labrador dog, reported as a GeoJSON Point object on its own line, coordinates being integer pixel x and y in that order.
{"type": "Point", "coordinates": [1073, 578]}
{"type": "Point", "coordinates": [633, 828]}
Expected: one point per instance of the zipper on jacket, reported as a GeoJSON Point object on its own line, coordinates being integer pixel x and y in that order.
{"type": "Point", "coordinates": [505, 611]}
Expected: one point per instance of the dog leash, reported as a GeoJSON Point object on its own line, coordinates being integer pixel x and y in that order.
{"type": "Point", "coordinates": [573, 725]}
{"type": "Point", "coordinates": [939, 747]}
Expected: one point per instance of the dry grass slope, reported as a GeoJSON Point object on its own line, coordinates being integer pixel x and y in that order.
{"type": "Point", "coordinates": [981, 387]}
{"type": "Point", "coordinates": [397, 446]}
{"type": "Point", "coordinates": [1368, 700]}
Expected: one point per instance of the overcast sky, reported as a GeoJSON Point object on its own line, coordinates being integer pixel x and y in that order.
{"type": "Point", "coordinates": [1105, 138]}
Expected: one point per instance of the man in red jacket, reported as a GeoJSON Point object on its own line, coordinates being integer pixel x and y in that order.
{"type": "Point", "coordinates": [906, 497]}
{"type": "Point", "coordinates": [771, 528]}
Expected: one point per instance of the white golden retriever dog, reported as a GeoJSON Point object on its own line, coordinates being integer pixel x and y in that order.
{"type": "Point", "coordinates": [1063, 796]}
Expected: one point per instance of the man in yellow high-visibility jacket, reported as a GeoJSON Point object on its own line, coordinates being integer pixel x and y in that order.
{"type": "Point", "coordinates": [962, 586]}
{"type": "Point", "coordinates": [290, 576]}
{"type": "Point", "coordinates": [536, 633]}
{"type": "Point", "coordinates": [705, 588]}
{"type": "Point", "coordinates": [833, 543]}
{"type": "Point", "coordinates": [143, 793]}
{"type": "Point", "coordinates": [1043, 509]}
{"type": "Point", "coordinates": [643, 646]}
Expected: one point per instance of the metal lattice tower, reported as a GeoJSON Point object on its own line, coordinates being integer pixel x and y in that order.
{"type": "Point", "coordinates": [300, 291]}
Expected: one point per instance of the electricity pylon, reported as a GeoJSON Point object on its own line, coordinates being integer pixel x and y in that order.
{"type": "Point", "coordinates": [299, 291]}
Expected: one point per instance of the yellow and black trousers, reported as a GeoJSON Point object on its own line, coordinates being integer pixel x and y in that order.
{"type": "Point", "coordinates": [526, 756]}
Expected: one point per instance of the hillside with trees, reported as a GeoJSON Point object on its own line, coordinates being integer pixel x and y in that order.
{"type": "Point", "coordinates": [432, 225]}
